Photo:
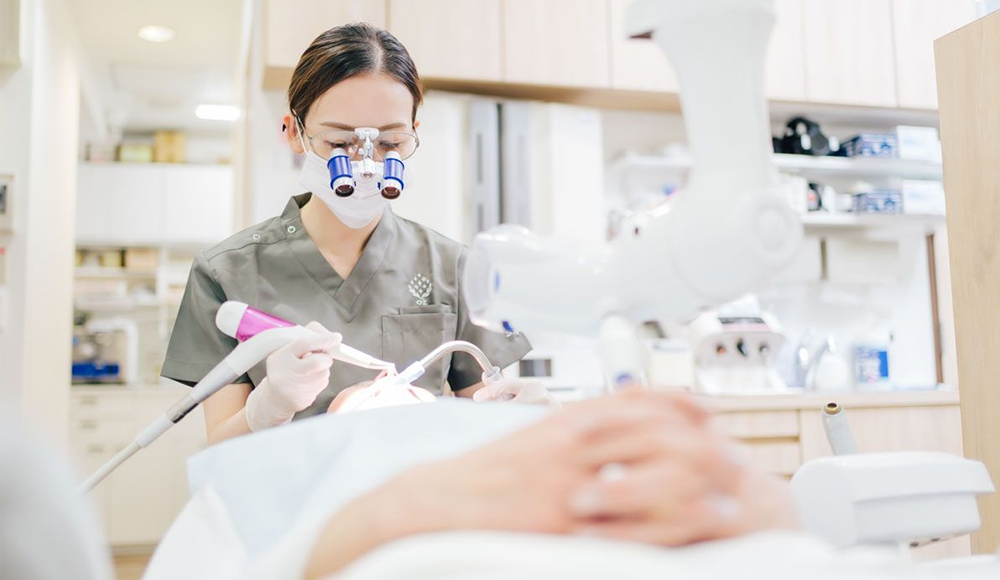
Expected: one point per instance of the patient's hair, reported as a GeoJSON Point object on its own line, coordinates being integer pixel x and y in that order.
{"type": "Point", "coordinates": [346, 51]}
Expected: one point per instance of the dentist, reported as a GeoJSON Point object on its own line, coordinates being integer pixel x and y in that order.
{"type": "Point", "coordinates": [338, 256]}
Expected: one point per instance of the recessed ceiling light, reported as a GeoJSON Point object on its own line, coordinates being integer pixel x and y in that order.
{"type": "Point", "coordinates": [156, 33]}
{"type": "Point", "coordinates": [217, 112]}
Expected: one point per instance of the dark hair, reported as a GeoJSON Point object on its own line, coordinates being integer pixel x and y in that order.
{"type": "Point", "coordinates": [346, 51]}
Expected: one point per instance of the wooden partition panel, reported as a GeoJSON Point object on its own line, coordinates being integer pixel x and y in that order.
{"type": "Point", "coordinates": [968, 80]}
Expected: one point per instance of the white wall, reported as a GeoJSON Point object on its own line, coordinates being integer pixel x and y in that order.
{"type": "Point", "coordinates": [41, 110]}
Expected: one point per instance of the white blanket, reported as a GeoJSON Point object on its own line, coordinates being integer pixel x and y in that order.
{"type": "Point", "coordinates": [258, 503]}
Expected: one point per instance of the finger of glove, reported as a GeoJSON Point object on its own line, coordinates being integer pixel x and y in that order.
{"type": "Point", "coordinates": [488, 392]}
{"type": "Point", "coordinates": [317, 327]}
{"type": "Point", "coordinates": [315, 343]}
{"type": "Point", "coordinates": [311, 363]}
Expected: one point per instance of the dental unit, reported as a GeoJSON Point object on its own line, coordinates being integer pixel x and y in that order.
{"type": "Point", "coordinates": [259, 334]}
{"type": "Point", "coordinates": [728, 233]}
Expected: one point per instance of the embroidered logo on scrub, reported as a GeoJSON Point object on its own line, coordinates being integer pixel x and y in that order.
{"type": "Point", "coordinates": [420, 287]}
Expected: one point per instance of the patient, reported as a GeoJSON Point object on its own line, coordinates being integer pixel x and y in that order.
{"type": "Point", "coordinates": [639, 466]}
{"type": "Point", "coordinates": [365, 396]}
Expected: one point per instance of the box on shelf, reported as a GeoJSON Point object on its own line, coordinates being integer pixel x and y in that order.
{"type": "Point", "coordinates": [882, 145]}
{"type": "Point", "coordinates": [135, 153]}
{"type": "Point", "coordinates": [98, 152]}
{"type": "Point", "coordinates": [922, 197]}
{"type": "Point", "coordinates": [110, 258]}
{"type": "Point", "coordinates": [919, 143]}
{"type": "Point", "coordinates": [881, 201]}
{"type": "Point", "coordinates": [168, 147]}
{"type": "Point", "coordinates": [141, 259]}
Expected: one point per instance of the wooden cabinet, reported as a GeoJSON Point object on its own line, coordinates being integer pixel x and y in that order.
{"type": "Point", "coordinates": [450, 39]}
{"type": "Point", "coordinates": [850, 52]}
{"type": "Point", "coordinates": [291, 25]}
{"type": "Point", "coordinates": [636, 65]}
{"type": "Point", "coordinates": [151, 204]}
{"type": "Point", "coordinates": [916, 24]}
{"type": "Point", "coordinates": [785, 57]}
{"type": "Point", "coordinates": [140, 500]}
{"type": "Point", "coordinates": [849, 56]}
{"type": "Point", "coordinates": [562, 43]}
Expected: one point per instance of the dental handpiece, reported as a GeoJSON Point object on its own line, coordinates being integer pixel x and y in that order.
{"type": "Point", "coordinates": [239, 361]}
{"type": "Point", "coordinates": [259, 334]}
{"type": "Point", "coordinates": [242, 322]}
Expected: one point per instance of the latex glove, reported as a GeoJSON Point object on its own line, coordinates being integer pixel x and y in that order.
{"type": "Point", "coordinates": [516, 390]}
{"type": "Point", "coordinates": [296, 374]}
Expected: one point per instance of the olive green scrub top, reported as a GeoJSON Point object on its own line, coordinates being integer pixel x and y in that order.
{"type": "Point", "coordinates": [401, 300]}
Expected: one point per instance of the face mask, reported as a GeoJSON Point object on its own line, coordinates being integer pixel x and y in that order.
{"type": "Point", "coordinates": [356, 211]}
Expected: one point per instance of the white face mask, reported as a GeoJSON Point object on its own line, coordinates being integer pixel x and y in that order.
{"type": "Point", "coordinates": [355, 211]}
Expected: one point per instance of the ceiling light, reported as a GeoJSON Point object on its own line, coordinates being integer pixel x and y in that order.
{"type": "Point", "coordinates": [217, 112]}
{"type": "Point", "coordinates": [156, 33]}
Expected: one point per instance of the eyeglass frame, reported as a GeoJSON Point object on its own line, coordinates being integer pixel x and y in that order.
{"type": "Point", "coordinates": [367, 137]}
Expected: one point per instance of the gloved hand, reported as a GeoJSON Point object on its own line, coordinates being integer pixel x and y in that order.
{"type": "Point", "coordinates": [296, 374]}
{"type": "Point", "coordinates": [517, 390]}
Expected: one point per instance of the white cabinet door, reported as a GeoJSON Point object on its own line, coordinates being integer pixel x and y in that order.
{"type": "Point", "coordinates": [93, 202]}
{"type": "Point", "coordinates": [916, 24]}
{"type": "Point", "coordinates": [849, 52]}
{"type": "Point", "coordinates": [450, 39]}
{"type": "Point", "coordinates": [197, 204]}
{"type": "Point", "coordinates": [556, 42]}
{"type": "Point", "coordinates": [134, 204]}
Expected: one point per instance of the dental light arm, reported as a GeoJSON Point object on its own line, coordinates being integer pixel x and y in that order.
{"type": "Point", "coordinates": [728, 232]}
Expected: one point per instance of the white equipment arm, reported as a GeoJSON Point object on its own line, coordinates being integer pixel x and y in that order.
{"type": "Point", "coordinates": [728, 232]}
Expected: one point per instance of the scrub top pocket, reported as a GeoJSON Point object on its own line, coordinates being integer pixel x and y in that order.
{"type": "Point", "coordinates": [408, 337]}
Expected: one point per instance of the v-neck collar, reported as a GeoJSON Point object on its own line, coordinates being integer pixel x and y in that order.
{"type": "Point", "coordinates": [345, 292]}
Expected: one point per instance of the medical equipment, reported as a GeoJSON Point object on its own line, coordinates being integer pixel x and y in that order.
{"type": "Point", "coordinates": [397, 389]}
{"type": "Point", "coordinates": [729, 231]}
{"type": "Point", "coordinates": [239, 361]}
{"type": "Point", "coordinates": [736, 354]}
{"type": "Point", "coordinates": [106, 350]}
{"type": "Point", "coordinates": [240, 321]}
{"type": "Point", "coordinates": [890, 498]}
{"type": "Point", "coordinates": [908, 498]}
{"type": "Point", "coordinates": [262, 334]}
{"type": "Point", "coordinates": [382, 154]}
{"type": "Point", "coordinates": [838, 430]}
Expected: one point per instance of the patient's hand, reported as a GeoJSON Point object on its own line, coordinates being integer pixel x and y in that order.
{"type": "Point", "coordinates": [668, 498]}
{"type": "Point", "coordinates": [641, 465]}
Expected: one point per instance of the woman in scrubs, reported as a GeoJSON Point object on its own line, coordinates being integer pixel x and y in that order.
{"type": "Point", "coordinates": [390, 287]}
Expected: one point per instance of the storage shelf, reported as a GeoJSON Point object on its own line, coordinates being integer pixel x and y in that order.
{"type": "Point", "coordinates": [96, 305]}
{"type": "Point", "coordinates": [110, 273]}
{"type": "Point", "coordinates": [820, 220]}
{"type": "Point", "coordinates": [803, 165]}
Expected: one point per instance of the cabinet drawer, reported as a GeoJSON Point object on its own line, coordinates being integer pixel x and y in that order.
{"type": "Point", "coordinates": [88, 406]}
{"type": "Point", "coordinates": [759, 424]}
{"type": "Point", "coordinates": [776, 458]}
{"type": "Point", "coordinates": [112, 433]}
